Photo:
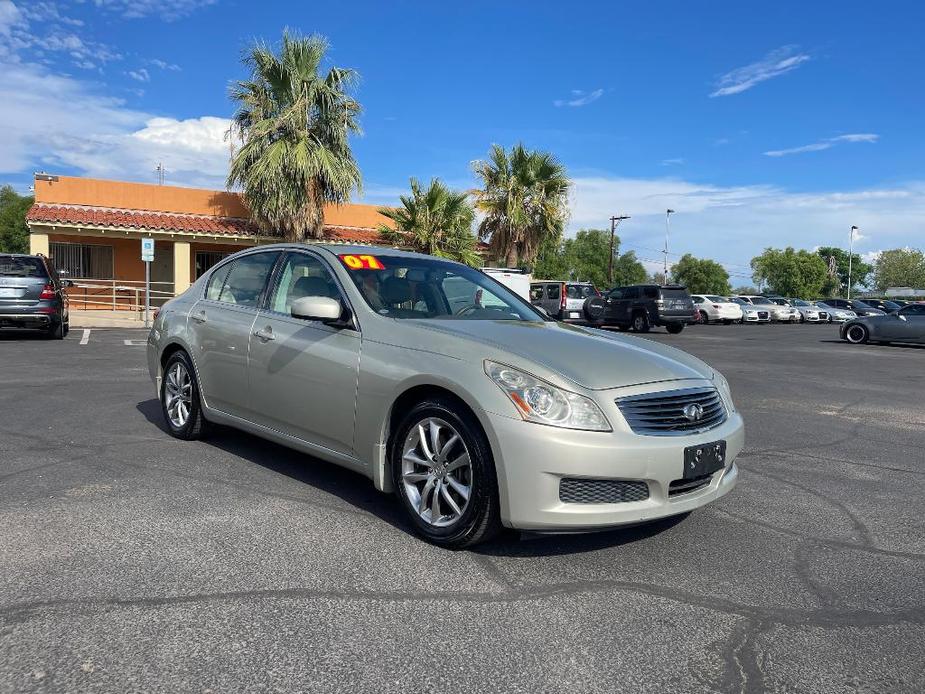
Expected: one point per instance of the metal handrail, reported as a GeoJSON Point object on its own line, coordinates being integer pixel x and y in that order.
{"type": "Point", "coordinates": [115, 295]}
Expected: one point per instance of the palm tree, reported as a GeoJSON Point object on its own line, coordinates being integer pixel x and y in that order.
{"type": "Point", "coordinates": [437, 221]}
{"type": "Point", "coordinates": [524, 199]}
{"type": "Point", "coordinates": [294, 124]}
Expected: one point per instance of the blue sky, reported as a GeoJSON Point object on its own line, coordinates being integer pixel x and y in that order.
{"type": "Point", "coordinates": [767, 125]}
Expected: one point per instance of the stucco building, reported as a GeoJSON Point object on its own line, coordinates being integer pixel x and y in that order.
{"type": "Point", "coordinates": [92, 231]}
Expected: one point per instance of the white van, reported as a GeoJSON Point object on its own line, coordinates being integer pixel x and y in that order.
{"type": "Point", "coordinates": [518, 281]}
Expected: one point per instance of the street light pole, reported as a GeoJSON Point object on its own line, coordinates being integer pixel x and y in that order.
{"type": "Point", "coordinates": [613, 228]}
{"type": "Point", "coordinates": [668, 214]}
{"type": "Point", "coordinates": [850, 256]}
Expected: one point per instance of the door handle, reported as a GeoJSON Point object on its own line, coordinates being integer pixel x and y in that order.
{"type": "Point", "coordinates": [265, 335]}
{"type": "Point", "coordinates": [199, 317]}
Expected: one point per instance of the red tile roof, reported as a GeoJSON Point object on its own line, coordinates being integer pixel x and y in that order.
{"type": "Point", "coordinates": [162, 221]}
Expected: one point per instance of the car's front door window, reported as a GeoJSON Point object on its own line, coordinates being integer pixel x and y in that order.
{"type": "Point", "coordinates": [302, 275]}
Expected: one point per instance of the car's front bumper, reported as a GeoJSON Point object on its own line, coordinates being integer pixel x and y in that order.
{"type": "Point", "coordinates": [531, 461]}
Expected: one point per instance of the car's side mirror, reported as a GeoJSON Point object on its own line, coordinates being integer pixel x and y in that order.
{"type": "Point", "coordinates": [319, 308]}
{"type": "Point", "coordinates": [900, 316]}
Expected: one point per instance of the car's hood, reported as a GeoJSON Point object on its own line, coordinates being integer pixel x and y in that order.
{"type": "Point", "coordinates": [593, 359]}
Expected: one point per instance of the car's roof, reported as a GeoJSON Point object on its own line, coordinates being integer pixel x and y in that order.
{"type": "Point", "coordinates": [353, 249]}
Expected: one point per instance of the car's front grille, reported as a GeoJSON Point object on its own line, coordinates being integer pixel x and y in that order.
{"type": "Point", "coordinates": [683, 486]}
{"type": "Point", "coordinates": [573, 490]}
{"type": "Point", "coordinates": [673, 412]}
{"type": "Point", "coordinates": [762, 314]}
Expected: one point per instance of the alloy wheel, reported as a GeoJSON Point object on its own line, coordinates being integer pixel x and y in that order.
{"type": "Point", "coordinates": [178, 395]}
{"type": "Point", "coordinates": [856, 334]}
{"type": "Point", "coordinates": [436, 472]}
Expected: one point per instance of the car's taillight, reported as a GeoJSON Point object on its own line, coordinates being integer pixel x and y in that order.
{"type": "Point", "coordinates": [562, 299]}
{"type": "Point", "coordinates": [48, 291]}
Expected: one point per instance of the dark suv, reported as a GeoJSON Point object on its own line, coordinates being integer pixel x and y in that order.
{"type": "Point", "coordinates": [32, 295]}
{"type": "Point", "coordinates": [642, 306]}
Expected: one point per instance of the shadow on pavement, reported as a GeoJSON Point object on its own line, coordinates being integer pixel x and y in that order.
{"type": "Point", "coordinates": [358, 491]}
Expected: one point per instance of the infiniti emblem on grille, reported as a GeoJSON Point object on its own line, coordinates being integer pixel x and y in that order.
{"type": "Point", "coordinates": [693, 412]}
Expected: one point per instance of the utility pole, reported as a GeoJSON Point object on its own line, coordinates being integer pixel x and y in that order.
{"type": "Point", "coordinates": [850, 254]}
{"type": "Point", "coordinates": [614, 221]}
{"type": "Point", "coordinates": [668, 214]}
{"type": "Point", "coordinates": [159, 170]}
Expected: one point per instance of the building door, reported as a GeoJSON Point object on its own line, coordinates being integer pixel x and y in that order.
{"type": "Point", "coordinates": [162, 273]}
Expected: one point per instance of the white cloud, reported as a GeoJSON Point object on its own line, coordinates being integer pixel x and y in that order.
{"type": "Point", "coordinates": [10, 17]}
{"type": "Point", "coordinates": [734, 223]}
{"type": "Point", "coordinates": [168, 10]}
{"type": "Point", "coordinates": [824, 144]}
{"type": "Point", "coordinates": [140, 75]}
{"type": "Point", "coordinates": [871, 257]}
{"type": "Point", "coordinates": [580, 98]}
{"type": "Point", "coordinates": [49, 12]}
{"type": "Point", "coordinates": [776, 63]}
{"type": "Point", "coordinates": [52, 121]}
{"type": "Point", "coordinates": [41, 31]}
{"type": "Point", "coordinates": [164, 65]}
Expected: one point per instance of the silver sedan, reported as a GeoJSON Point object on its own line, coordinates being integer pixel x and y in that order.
{"type": "Point", "coordinates": [445, 388]}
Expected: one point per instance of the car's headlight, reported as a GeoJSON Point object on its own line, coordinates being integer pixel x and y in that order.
{"type": "Point", "coordinates": [543, 403]}
{"type": "Point", "coordinates": [723, 385]}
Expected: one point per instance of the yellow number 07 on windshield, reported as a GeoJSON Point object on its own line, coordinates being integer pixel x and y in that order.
{"type": "Point", "coordinates": [362, 262]}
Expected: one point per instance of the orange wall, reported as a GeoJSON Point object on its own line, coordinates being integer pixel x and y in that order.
{"type": "Point", "coordinates": [73, 190]}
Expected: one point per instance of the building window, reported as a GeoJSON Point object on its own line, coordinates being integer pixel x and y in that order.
{"type": "Point", "coordinates": [205, 260]}
{"type": "Point", "coordinates": [84, 260]}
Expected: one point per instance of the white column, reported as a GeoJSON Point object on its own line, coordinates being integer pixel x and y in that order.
{"type": "Point", "coordinates": [181, 266]}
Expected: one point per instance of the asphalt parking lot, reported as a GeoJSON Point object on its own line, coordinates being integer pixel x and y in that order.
{"type": "Point", "coordinates": [130, 561]}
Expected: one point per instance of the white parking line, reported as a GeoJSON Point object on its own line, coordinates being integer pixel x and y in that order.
{"type": "Point", "coordinates": [135, 343]}
{"type": "Point", "coordinates": [85, 338]}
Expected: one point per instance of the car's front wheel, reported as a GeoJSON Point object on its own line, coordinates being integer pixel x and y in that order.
{"type": "Point", "coordinates": [857, 334]}
{"type": "Point", "coordinates": [180, 400]}
{"type": "Point", "coordinates": [444, 474]}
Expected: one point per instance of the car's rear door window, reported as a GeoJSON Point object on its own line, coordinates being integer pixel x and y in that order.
{"type": "Point", "coordinates": [246, 279]}
{"type": "Point", "coordinates": [579, 291]}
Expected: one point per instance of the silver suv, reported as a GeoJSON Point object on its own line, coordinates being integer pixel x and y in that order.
{"type": "Point", "coordinates": [563, 301]}
{"type": "Point", "coordinates": [445, 388]}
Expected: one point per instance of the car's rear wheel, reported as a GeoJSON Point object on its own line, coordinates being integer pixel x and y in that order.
{"type": "Point", "coordinates": [703, 317]}
{"type": "Point", "coordinates": [857, 334]}
{"type": "Point", "coordinates": [641, 322]}
{"type": "Point", "coordinates": [444, 474]}
{"type": "Point", "coordinates": [180, 400]}
{"type": "Point", "coordinates": [56, 332]}
{"type": "Point", "coordinates": [674, 328]}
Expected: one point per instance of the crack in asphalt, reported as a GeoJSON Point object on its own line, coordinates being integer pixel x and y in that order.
{"type": "Point", "coordinates": [822, 618]}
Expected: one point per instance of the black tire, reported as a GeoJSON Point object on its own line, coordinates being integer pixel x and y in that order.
{"type": "Point", "coordinates": [703, 317]}
{"type": "Point", "coordinates": [593, 309]}
{"type": "Point", "coordinates": [195, 426]}
{"type": "Point", "coordinates": [56, 332]}
{"type": "Point", "coordinates": [641, 322]}
{"type": "Point", "coordinates": [857, 334]}
{"type": "Point", "coordinates": [674, 328]}
{"type": "Point", "coordinates": [728, 321]}
{"type": "Point", "coordinates": [480, 519]}
{"type": "Point", "coordinates": [802, 318]}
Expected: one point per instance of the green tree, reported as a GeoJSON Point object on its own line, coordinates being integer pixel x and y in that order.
{"type": "Point", "coordinates": [900, 267]}
{"type": "Point", "coordinates": [701, 276]}
{"type": "Point", "coordinates": [436, 221]}
{"type": "Point", "coordinates": [523, 196]}
{"type": "Point", "coordinates": [628, 270]}
{"type": "Point", "coordinates": [294, 124]}
{"type": "Point", "coordinates": [789, 272]}
{"type": "Point", "coordinates": [14, 232]}
{"type": "Point", "coordinates": [744, 290]}
{"type": "Point", "coordinates": [860, 271]}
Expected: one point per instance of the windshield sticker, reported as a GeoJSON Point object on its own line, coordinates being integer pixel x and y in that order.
{"type": "Point", "coordinates": [362, 262]}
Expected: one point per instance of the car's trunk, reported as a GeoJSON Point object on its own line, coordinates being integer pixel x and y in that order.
{"type": "Point", "coordinates": [20, 291]}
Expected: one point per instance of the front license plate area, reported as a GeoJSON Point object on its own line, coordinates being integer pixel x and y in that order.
{"type": "Point", "coordinates": [704, 459]}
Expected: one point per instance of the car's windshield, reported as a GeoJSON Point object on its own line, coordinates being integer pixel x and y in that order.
{"type": "Point", "coordinates": [737, 300]}
{"type": "Point", "coordinates": [890, 304]}
{"type": "Point", "coordinates": [861, 304]}
{"type": "Point", "coordinates": [761, 300]}
{"type": "Point", "coordinates": [781, 302]}
{"type": "Point", "coordinates": [16, 266]}
{"type": "Point", "coordinates": [579, 291]}
{"type": "Point", "coordinates": [800, 302]}
{"type": "Point", "coordinates": [403, 287]}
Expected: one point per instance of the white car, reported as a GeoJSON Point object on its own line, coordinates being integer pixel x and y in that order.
{"type": "Point", "coordinates": [834, 314]}
{"type": "Point", "coordinates": [809, 312]}
{"type": "Point", "coordinates": [777, 312]}
{"type": "Point", "coordinates": [716, 308]}
{"type": "Point", "coordinates": [751, 313]}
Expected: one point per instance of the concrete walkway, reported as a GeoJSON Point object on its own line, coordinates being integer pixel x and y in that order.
{"type": "Point", "coordinates": [107, 319]}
